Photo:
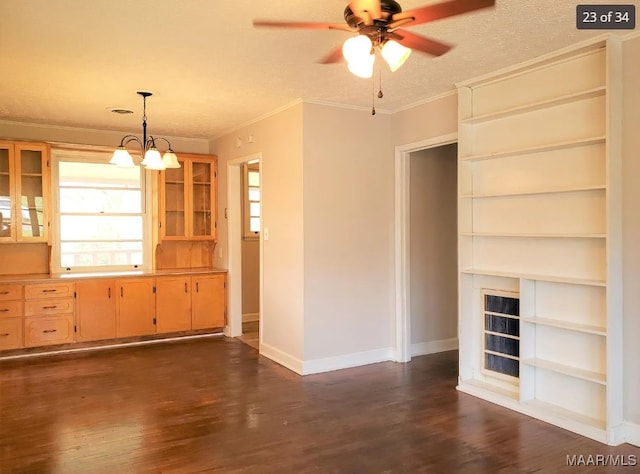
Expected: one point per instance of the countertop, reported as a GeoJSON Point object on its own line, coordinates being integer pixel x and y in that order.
{"type": "Point", "coordinates": [47, 277]}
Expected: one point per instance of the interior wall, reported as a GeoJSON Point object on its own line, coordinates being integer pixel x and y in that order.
{"type": "Point", "coordinates": [434, 118]}
{"type": "Point", "coordinates": [631, 226]}
{"type": "Point", "coordinates": [250, 277]}
{"type": "Point", "coordinates": [79, 136]}
{"type": "Point", "coordinates": [433, 246]}
{"type": "Point", "coordinates": [278, 138]}
{"type": "Point", "coordinates": [348, 232]}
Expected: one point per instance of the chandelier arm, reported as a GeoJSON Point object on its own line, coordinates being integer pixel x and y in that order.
{"type": "Point", "coordinates": [163, 139]}
{"type": "Point", "coordinates": [131, 138]}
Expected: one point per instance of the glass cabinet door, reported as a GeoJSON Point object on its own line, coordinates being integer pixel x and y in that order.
{"type": "Point", "coordinates": [175, 225]}
{"type": "Point", "coordinates": [202, 193]}
{"type": "Point", "coordinates": [31, 218]}
{"type": "Point", "coordinates": [7, 227]}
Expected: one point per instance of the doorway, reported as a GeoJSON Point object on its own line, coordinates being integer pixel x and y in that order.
{"type": "Point", "coordinates": [245, 249]}
{"type": "Point", "coordinates": [426, 247]}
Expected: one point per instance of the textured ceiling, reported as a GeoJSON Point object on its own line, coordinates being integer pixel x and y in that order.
{"type": "Point", "coordinates": [67, 62]}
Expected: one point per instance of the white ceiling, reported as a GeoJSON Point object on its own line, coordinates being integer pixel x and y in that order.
{"type": "Point", "coordinates": [67, 62]}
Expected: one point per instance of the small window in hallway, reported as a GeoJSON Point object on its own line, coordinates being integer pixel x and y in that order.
{"type": "Point", "coordinates": [251, 207]}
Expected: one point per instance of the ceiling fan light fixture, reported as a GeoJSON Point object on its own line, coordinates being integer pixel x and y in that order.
{"type": "Point", "coordinates": [357, 48]}
{"type": "Point", "coordinates": [121, 157]}
{"type": "Point", "coordinates": [362, 67]}
{"type": "Point", "coordinates": [395, 54]}
{"type": "Point", "coordinates": [152, 160]}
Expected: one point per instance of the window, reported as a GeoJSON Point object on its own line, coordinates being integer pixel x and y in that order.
{"type": "Point", "coordinates": [251, 201]}
{"type": "Point", "coordinates": [101, 212]}
{"type": "Point", "coordinates": [501, 332]}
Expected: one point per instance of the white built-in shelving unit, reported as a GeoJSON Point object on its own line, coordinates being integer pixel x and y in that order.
{"type": "Point", "coordinates": [539, 216]}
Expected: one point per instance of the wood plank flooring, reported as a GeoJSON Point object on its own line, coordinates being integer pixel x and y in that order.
{"type": "Point", "coordinates": [214, 405]}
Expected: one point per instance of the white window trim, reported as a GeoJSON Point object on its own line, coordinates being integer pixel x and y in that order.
{"type": "Point", "coordinates": [246, 233]}
{"type": "Point", "coordinates": [82, 155]}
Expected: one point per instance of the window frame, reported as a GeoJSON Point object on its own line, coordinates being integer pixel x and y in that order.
{"type": "Point", "coordinates": [98, 156]}
{"type": "Point", "coordinates": [247, 234]}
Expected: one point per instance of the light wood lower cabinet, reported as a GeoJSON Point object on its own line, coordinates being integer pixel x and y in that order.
{"type": "Point", "coordinates": [49, 313]}
{"type": "Point", "coordinates": [135, 307]}
{"type": "Point", "coordinates": [173, 304]}
{"type": "Point", "coordinates": [11, 333]}
{"type": "Point", "coordinates": [96, 309]}
{"type": "Point", "coordinates": [209, 301]}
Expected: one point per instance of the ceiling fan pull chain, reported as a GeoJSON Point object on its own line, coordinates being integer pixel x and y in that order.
{"type": "Point", "coordinates": [373, 94]}
{"type": "Point", "coordinates": [380, 94]}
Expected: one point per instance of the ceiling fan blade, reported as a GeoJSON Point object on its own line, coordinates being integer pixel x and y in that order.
{"type": "Point", "coordinates": [419, 43]}
{"type": "Point", "coordinates": [442, 10]}
{"type": "Point", "coordinates": [302, 24]}
{"type": "Point", "coordinates": [368, 10]}
{"type": "Point", "coordinates": [335, 56]}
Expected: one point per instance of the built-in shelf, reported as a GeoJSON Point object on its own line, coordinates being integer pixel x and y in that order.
{"type": "Point", "coordinates": [501, 354]}
{"type": "Point", "coordinates": [549, 410]}
{"type": "Point", "coordinates": [534, 235]}
{"type": "Point", "coordinates": [587, 375]}
{"type": "Point", "coordinates": [585, 328]}
{"type": "Point", "coordinates": [537, 149]}
{"type": "Point", "coordinates": [576, 189]}
{"type": "Point", "coordinates": [543, 104]}
{"type": "Point", "coordinates": [528, 276]}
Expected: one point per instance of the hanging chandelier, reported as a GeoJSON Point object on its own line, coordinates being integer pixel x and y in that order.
{"type": "Point", "coordinates": [151, 156]}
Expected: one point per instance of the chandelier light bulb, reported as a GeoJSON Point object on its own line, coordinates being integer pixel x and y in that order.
{"type": "Point", "coordinates": [363, 67]}
{"type": "Point", "coordinates": [121, 157]}
{"type": "Point", "coordinates": [170, 159]}
{"type": "Point", "coordinates": [152, 160]}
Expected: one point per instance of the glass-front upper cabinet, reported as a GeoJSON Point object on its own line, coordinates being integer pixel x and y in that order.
{"type": "Point", "coordinates": [188, 199]}
{"type": "Point", "coordinates": [24, 191]}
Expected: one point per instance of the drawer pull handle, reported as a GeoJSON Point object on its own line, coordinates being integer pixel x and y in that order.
{"type": "Point", "coordinates": [4, 310]}
{"type": "Point", "coordinates": [49, 291]}
{"type": "Point", "coordinates": [4, 292]}
{"type": "Point", "coordinates": [49, 331]}
{"type": "Point", "coordinates": [49, 307]}
{"type": "Point", "coordinates": [5, 334]}
{"type": "Point", "coordinates": [185, 287]}
{"type": "Point", "coordinates": [197, 287]}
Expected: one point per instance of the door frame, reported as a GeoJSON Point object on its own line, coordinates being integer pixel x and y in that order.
{"type": "Point", "coordinates": [402, 240]}
{"type": "Point", "coordinates": [234, 243]}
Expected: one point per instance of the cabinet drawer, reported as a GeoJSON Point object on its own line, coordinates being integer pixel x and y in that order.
{"type": "Point", "coordinates": [40, 331]}
{"type": "Point", "coordinates": [48, 306]}
{"type": "Point", "coordinates": [10, 309]}
{"type": "Point", "coordinates": [11, 333]}
{"type": "Point", "coordinates": [51, 290]}
{"type": "Point", "coordinates": [10, 292]}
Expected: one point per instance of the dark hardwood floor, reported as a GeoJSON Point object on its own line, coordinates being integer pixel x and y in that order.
{"type": "Point", "coordinates": [214, 405]}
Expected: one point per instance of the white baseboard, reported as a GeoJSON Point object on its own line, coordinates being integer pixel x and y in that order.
{"type": "Point", "coordinates": [348, 360]}
{"type": "Point", "coordinates": [432, 347]}
{"type": "Point", "coordinates": [632, 433]}
{"type": "Point", "coordinates": [250, 317]}
{"type": "Point", "coordinates": [282, 358]}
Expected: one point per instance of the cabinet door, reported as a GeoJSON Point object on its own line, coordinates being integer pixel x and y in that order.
{"type": "Point", "coordinates": [173, 203]}
{"type": "Point", "coordinates": [7, 204]}
{"type": "Point", "coordinates": [173, 304]}
{"type": "Point", "coordinates": [96, 309]}
{"type": "Point", "coordinates": [135, 307]}
{"type": "Point", "coordinates": [203, 199]}
{"type": "Point", "coordinates": [11, 333]}
{"type": "Point", "coordinates": [32, 170]}
{"type": "Point", "coordinates": [209, 298]}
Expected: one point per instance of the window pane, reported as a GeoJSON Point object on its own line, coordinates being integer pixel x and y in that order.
{"type": "Point", "coordinates": [98, 201]}
{"type": "Point", "coordinates": [254, 194]}
{"type": "Point", "coordinates": [254, 209]}
{"type": "Point", "coordinates": [254, 224]}
{"type": "Point", "coordinates": [253, 178]}
{"type": "Point", "coordinates": [101, 228]}
{"type": "Point", "coordinates": [73, 173]}
{"type": "Point", "coordinates": [91, 254]}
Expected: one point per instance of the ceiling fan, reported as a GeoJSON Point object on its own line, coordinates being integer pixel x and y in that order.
{"type": "Point", "coordinates": [378, 25]}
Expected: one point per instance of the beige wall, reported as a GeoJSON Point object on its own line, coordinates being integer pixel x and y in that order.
{"type": "Point", "coordinates": [631, 227]}
{"type": "Point", "coordinates": [279, 139]}
{"type": "Point", "coordinates": [433, 244]}
{"type": "Point", "coordinates": [348, 232]}
{"type": "Point", "coordinates": [79, 136]}
{"type": "Point", "coordinates": [250, 277]}
{"type": "Point", "coordinates": [434, 118]}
